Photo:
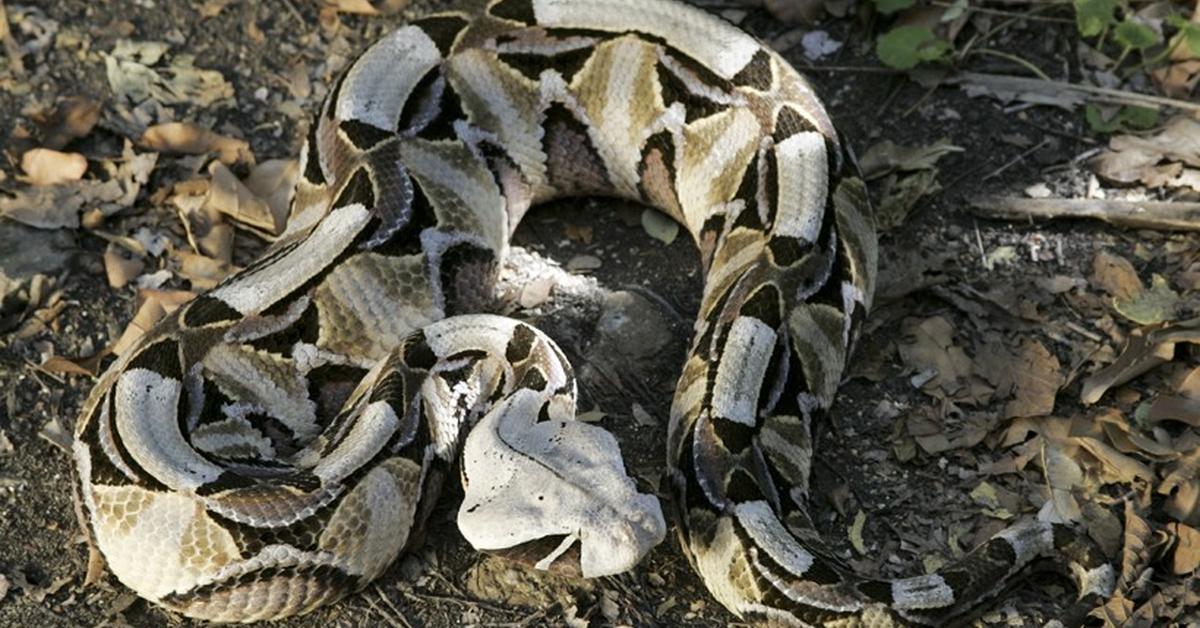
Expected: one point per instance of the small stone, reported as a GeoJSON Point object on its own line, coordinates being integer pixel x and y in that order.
{"type": "Point", "coordinates": [581, 263]}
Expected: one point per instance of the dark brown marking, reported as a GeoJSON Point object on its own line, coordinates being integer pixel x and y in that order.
{"type": "Point", "coordinates": [520, 344]}
{"type": "Point", "coordinates": [515, 10]}
{"type": "Point", "coordinates": [764, 305]}
{"type": "Point", "coordinates": [443, 29]}
{"type": "Point", "coordinates": [364, 136]}
{"type": "Point", "coordinates": [358, 189]}
{"type": "Point", "coordinates": [161, 357]}
{"type": "Point", "coordinates": [313, 173]}
{"type": "Point", "coordinates": [531, 65]}
{"type": "Point", "coordinates": [675, 90]}
{"type": "Point", "coordinates": [574, 165]}
{"type": "Point", "coordinates": [757, 74]}
{"type": "Point", "coordinates": [533, 379]}
{"type": "Point", "coordinates": [418, 355]}
{"type": "Point", "coordinates": [789, 122]}
{"type": "Point", "coordinates": [208, 310]}
{"type": "Point", "coordinates": [735, 436]}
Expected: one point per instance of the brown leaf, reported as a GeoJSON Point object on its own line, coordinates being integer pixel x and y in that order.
{"type": "Point", "coordinates": [1139, 355]}
{"type": "Point", "coordinates": [272, 182]}
{"type": "Point", "coordinates": [1182, 485]}
{"type": "Point", "coordinates": [203, 272]}
{"type": "Point", "coordinates": [71, 119]}
{"type": "Point", "coordinates": [189, 139]}
{"type": "Point", "coordinates": [1115, 275]}
{"type": "Point", "coordinates": [942, 368]}
{"type": "Point", "coordinates": [89, 366]}
{"type": "Point", "coordinates": [155, 304]}
{"type": "Point", "coordinates": [232, 198]}
{"type": "Point", "coordinates": [1116, 466]}
{"type": "Point", "coordinates": [1037, 377]}
{"type": "Point", "coordinates": [1135, 555]}
{"type": "Point", "coordinates": [1186, 557]}
{"type": "Point", "coordinates": [50, 167]}
{"type": "Point", "coordinates": [120, 267]}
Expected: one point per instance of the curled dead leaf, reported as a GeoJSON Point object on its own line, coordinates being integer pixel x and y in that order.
{"type": "Point", "coordinates": [1185, 559]}
{"type": "Point", "coordinates": [272, 182]}
{"type": "Point", "coordinates": [45, 167]}
{"type": "Point", "coordinates": [203, 272]}
{"type": "Point", "coordinates": [228, 195]}
{"type": "Point", "coordinates": [120, 267]}
{"type": "Point", "coordinates": [189, 139]}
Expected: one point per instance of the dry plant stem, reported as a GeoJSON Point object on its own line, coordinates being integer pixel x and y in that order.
{"type": "Point", "coordinates": [1000, 82]}
{"type": "Point", "coordinates": [1002, 13]}
{"type": "Point", "coordinates": [10, 45]}
{"type": "Point", "coordinates": [1161, 215]}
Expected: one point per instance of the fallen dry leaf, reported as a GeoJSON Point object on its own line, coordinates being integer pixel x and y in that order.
{"type": "Point", "coordinates": [71, 119]}
{"type": "Point", "coordinates": [203, 272]}
{"type": "Point", "coordinates": [155, 305]}
{"type": "Point", "coordinates": [272, 182]}
{"type": "Point", "coordinates": [46, 167]}
{"type": "Point", "coordinates": [1036, 376]}
{"type": "Point", "coordinates": [887, 157]}
{"type": "Point", "coordinates": [1182, 486]}
{"type": "Point", "coordinates": [136, 73]}
{"type": "Point", "coordinates": [1115, 275]}
{"type": "Point", "coordinates": [58, 206]}
{"type": "Point", "coordinates": [120, 267]}
{"type": "Point", "coordinates": [942, 368]}
{"type": "Point", "coordinates": [1139, 355]}
{"type": "Point", "coordinates": [232, 198]}
{"type": "Point", "coordinates": [189, 139]}
{"type": "Point", "coordinates": [1186, 557]}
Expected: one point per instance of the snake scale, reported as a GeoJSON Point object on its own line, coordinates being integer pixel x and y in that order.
{"type": "Point", "coordinates": [274, 444]}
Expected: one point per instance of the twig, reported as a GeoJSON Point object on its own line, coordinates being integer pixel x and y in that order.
{"type": "Point", "coordinates": [1001, 13]}
{"type": "Point", "coordinates": [399, 615]}
{"type": "Point", "coordinates": [1162, 215]}
{"type": "Point", "coordinates": [1021, 85]}
{"type": "Point", "coordinates": [1015, 160]}
{"type": "Point", "coordinates": [391, 621]}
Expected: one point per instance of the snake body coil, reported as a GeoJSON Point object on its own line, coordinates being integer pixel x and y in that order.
{"type": "Point", "coordinates": [275, 443]}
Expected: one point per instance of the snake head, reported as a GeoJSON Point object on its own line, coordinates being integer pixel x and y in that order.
{"type": "Point", "coordinates": [553, 494]}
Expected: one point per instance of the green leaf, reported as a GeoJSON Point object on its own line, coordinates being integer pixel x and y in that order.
{"type": "Point", "coordinates": [1134, 35]}
{"type": "Point", "coordinates": [1189, 32]}
{"type": "Point", "coordinates": [1126, 118]}
{"type": "Point", "coordinates": [954, 11]}
{"type": "Point", "coordinates": [904, 47]}
{"type": "Point", "coordinates": [1157, 304]}
{"type": "Point", "coordinates": [1140, 118]}
{"type": "Point", "coordinates": [888, 7]}
{"type": "Point", "coordinates": [1093, 16]}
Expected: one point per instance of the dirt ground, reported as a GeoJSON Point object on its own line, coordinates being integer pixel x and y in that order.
{"type": "Point", "coordinates": [935, 264]}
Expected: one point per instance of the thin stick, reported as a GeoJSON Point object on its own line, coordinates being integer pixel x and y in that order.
{"type": "Point", "coordinates": [1161, 215]}
{"type": "Point", "coordinates": [1015, 160]}
{"type": "Point", "coordinates": [1001, 13]}
{"type": "Point", "coordinates": [1018, 84]}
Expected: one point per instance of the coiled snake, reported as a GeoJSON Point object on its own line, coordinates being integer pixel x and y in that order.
{"type": "Point", "coordinates": [276, 443]}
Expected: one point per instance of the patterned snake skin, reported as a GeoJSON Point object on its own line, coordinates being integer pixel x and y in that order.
{"type": "Point", "coordinates": [277, 442]}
